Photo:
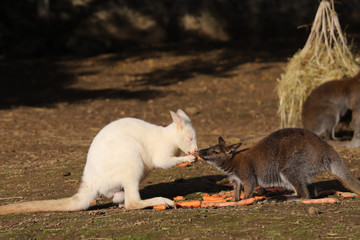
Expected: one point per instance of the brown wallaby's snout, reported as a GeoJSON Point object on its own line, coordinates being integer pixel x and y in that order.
{"type": "Point", "coordinates": [219, 153]}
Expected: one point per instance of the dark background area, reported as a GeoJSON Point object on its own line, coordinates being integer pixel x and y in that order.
{"type": "Point", "coordinates": [98, 26]}
{"type": "Point", "coordinates": [34, 38]}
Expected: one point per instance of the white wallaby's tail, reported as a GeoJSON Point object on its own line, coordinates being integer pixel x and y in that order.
{"type": "Point", "coordinates": [80, 201]}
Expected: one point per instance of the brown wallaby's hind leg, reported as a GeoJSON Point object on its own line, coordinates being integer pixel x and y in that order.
{"type": "Point", "coordinates": [312, 191]}
{"type": "Point", "coordinates": [298, 183]}
{"type": "Point", "coordinates": [355, 141]}
{"type": "Point", "coordinates": [330, 122]}
{"type": "Point", "coordinates": [301, 192]}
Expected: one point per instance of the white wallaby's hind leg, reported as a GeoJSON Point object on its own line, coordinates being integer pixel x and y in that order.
{"type": "Point", "coordinates": [119, 197]}
{"type": "Point", "coordinates": [133, 201]}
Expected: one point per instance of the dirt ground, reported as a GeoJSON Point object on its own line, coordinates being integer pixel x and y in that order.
{"type": "Point", "coordinates": [51, 108]}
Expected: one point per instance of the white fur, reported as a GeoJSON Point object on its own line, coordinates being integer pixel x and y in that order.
{"type": "Point", "coordinates": [121, 155]}
{"type": "Point", "coordinates": [125, 150]}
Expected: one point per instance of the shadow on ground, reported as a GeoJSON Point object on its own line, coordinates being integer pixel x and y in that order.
{"type": "Point", "coordinates": [206, 184]}
{"type": "Point", "coordinates": [44, 82]}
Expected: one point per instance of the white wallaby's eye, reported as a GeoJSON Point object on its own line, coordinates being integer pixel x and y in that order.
{"type": "Point", "coordinates": [190, 138]}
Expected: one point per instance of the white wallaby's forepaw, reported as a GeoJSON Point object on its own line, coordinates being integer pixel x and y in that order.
{"type": "Point", "coordinates": [119, 197]}
{"type": "Point", "coordinates": [190, 158]}
{"type": "Point", "coordinates": [168, 202]}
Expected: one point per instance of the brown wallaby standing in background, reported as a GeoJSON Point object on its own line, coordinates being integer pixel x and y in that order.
{"type": "Point", "coordinates": [330, 101]}
{"type": "Point", "coordinates": [288, 157]}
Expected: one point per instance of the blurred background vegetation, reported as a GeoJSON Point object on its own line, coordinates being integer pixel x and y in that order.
{"type": "Point", "coordinates": [37, 27]}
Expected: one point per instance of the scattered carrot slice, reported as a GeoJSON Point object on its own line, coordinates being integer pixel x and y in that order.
{"type": "Point", "coordinates": [212, 198]}
{"type": "Point", "coordinates": [179, 198]}
{"type": "Point", "coordinates": [338, 193]}
{"type": "Point", "coordinates": [185, 164]}
{"type": "Point", "coordinates": [94, 202]}
{"type": "Point", "coordinates": [257, 198]}
{"type": "Point", "coordinates": [226, 194]}
{"type": "Point", "coordinates": [279, 189]}
{"type": "Point", "coordinates": [205, 204]}
{"type": "Point", "coordinates": [227, 204]}
{"type": "Point", "coordinates": [319, 201]}
{"type": "Point", "coordinates": [246, 202]}
{"type": "Point", "coordinates": [160, 207]}
{"type": "Point", "coordinates": [199, 158]}
{"type": "Point", "coordinates": [188, 204]}
{"type": "Point", "coordinates": [214, 201]}
{"type": "Point", "coordinates": [346, 194]}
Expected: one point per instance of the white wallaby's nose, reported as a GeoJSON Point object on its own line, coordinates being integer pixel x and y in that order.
{"type": "Point", "coordinates": [193, 152]}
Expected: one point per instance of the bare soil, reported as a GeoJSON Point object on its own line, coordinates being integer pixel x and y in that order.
{"type": "Point", "coordinates": [51, 108]}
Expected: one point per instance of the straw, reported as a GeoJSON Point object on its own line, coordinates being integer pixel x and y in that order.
{"type": "Point", "coordinates": [324, 57]}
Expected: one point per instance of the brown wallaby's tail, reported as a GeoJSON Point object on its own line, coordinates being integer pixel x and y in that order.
{"type": "Point", "coordinates": [80, 201]}
{"type": "Point", "coordinates": [342, 172]}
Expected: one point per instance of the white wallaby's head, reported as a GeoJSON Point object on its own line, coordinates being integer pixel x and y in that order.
{"type": "Point", "coordinates": [185, 133]}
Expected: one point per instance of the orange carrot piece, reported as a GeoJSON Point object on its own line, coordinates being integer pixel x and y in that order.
{"type": "Point", "coordinates": [185, 164]}
{"type": "Point", "coordinates": [231, 199]}
{"type": "Point", "coordinates": [213, 198]}
{"type": "Point", "coordinates": [94, 202]}
{"type": "Point", "coordinates": [346, 194]}
{"type": "Point", "coordinates": [242, 195]}
{"type": "Point", "coordinates": [226, 194]}
{"type": "Point", "coordinates": [160, 207]}
{"type": "Point", "coordinates": [258, 198]}
{"type": "Point", "coordinates": [205, 204]}
{"type": "Point", "coordinates": [188, 204]}
{"type": "Point", "coordinates": [199, 158]}
{"type": "Point", "coordinates": [227, 204]}
{"type": "Point", "coordinates": [319, 201]}
{"type": "Point", "coordinates": [246, 202]}
{"type": "Point", "coordinates": [279, 189]}
{"type": "Point", "coordinates": [179, 198]}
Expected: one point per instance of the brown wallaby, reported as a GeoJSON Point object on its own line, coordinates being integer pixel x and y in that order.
{"type": "Point", "coordinates": [289, 158]}
{"type": "Point", "coordinates": [330, 101]}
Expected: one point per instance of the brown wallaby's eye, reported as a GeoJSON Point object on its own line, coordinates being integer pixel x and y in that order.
{"type": "Point", "coordinates": [215, 151]}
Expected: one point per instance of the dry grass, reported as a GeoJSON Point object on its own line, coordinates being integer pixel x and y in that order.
{"type": "Point", "coordinates": [324, 57]}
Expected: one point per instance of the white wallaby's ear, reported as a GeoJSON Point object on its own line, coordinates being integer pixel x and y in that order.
{"type": "Point", "coordinates": [182, 114]}
{"type": "Point", "coordinates": [177, 119]}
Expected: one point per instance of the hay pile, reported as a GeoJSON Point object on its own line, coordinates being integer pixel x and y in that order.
{"type": "Point", "coordinates": [324, 57]}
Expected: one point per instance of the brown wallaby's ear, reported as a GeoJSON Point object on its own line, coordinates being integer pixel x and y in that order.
{"type": "Point", "coordinates": [221, 141]}
{"type": "Point", "coordinates": [234, 147]}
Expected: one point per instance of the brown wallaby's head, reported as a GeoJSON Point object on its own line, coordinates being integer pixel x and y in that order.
{"type": "Point", "coordinates": [219, 153]}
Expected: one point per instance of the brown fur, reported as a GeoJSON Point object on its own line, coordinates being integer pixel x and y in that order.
{"type": "Point", "coordinates": [288, 157]}
{"type": "Point", "coordinates": [330, 101]}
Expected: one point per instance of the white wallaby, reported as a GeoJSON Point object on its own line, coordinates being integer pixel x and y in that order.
{"type": "Point", "coordinates": [120, 156]}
